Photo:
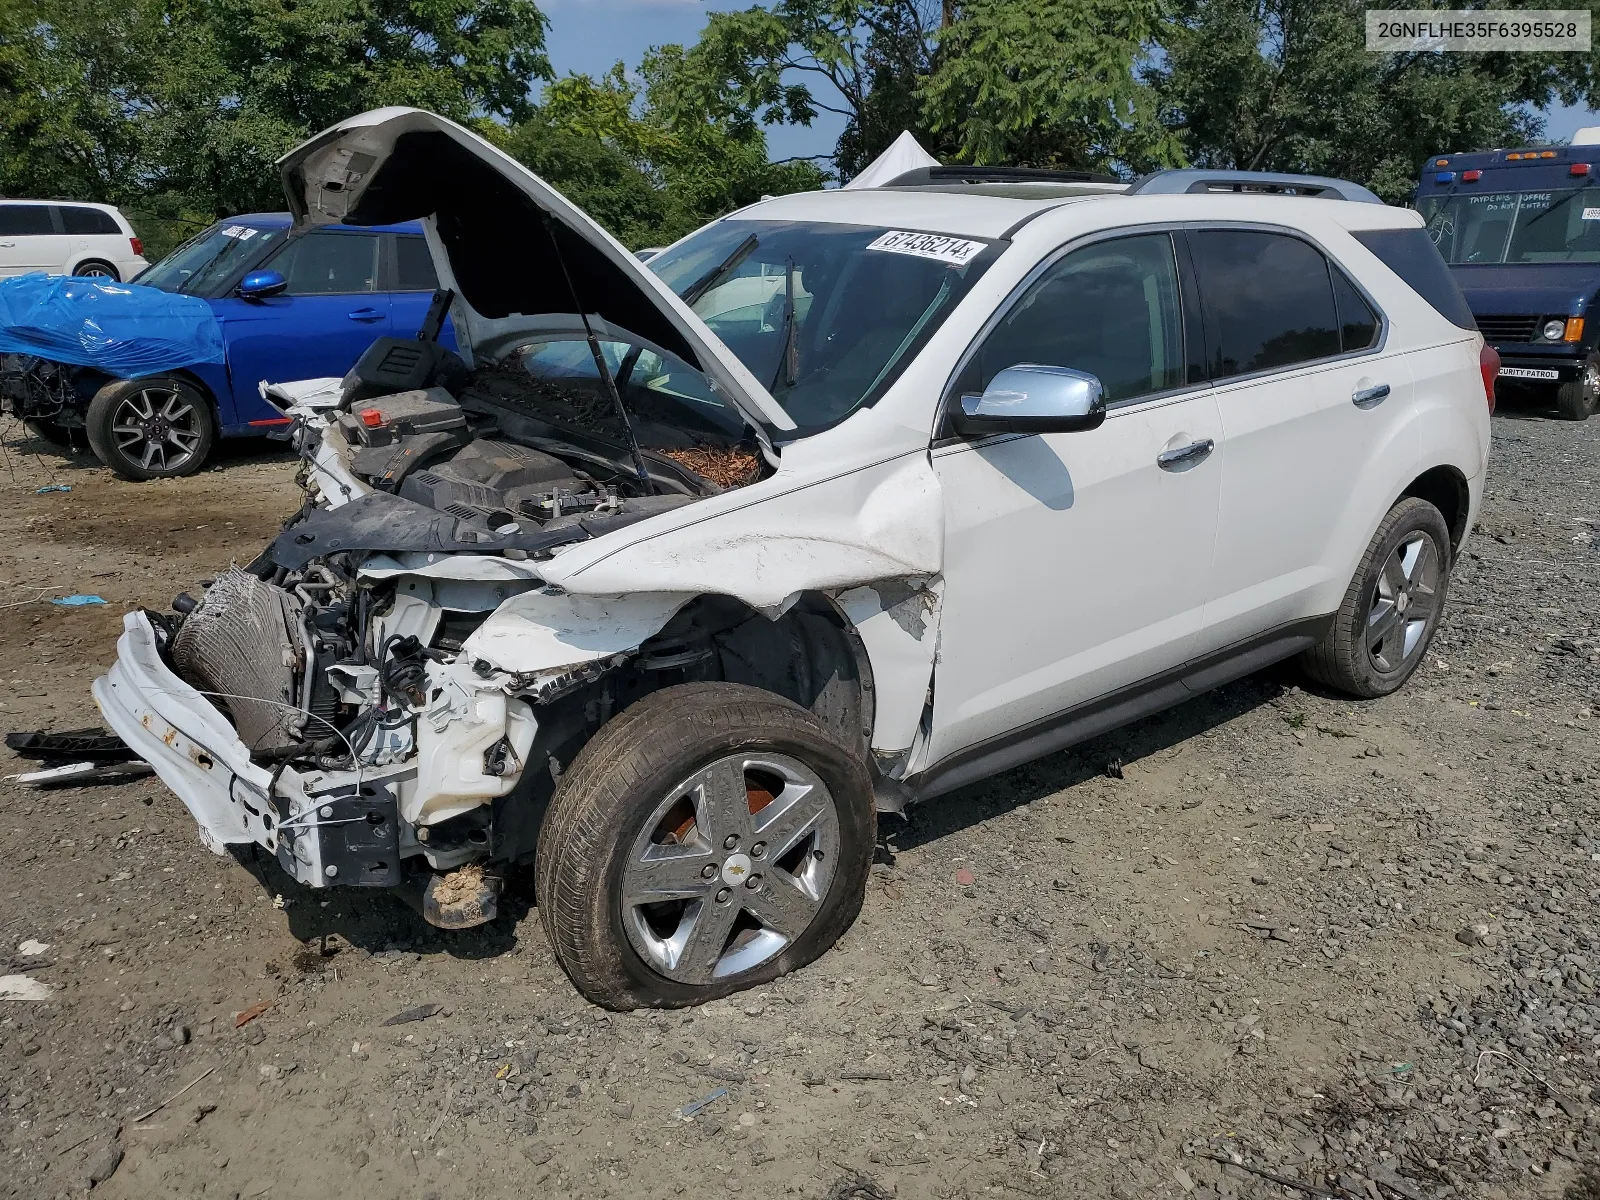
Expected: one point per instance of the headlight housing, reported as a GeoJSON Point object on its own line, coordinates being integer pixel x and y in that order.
{"type": "Point", "coordinates": [1554, 329]}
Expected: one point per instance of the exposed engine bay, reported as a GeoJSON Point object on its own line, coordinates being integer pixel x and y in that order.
{"type": "Point", "coordinates": [343, 657]}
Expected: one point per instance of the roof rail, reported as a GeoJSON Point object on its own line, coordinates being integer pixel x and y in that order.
{"type": "Point", "coordinates": [1259, 183]}
{"type": "Point", "coordinates": [925, 176]}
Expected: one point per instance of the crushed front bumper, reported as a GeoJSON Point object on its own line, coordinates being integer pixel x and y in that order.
{"type": "Point", "coordinates": [324, 828]}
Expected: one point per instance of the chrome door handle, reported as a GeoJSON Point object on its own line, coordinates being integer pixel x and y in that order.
{"type": "Point", "coordinates": [1370, 397]}
{"type": "Point", "coordinates": [1171, 460]}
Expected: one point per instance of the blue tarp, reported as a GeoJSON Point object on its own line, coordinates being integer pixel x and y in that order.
{"type": "Point", "coordinates": [122, 329]}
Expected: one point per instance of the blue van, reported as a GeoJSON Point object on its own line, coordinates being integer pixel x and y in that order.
{"type": "Point", "coordinates": [1521, 232]}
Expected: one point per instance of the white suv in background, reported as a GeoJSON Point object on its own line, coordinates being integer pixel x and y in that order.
{"type": "Point", "coordinates": [61, 238]}
{"type": "Point", "coordinates": [677, 575]}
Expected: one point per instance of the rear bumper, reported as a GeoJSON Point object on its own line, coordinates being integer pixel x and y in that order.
{"type": "Point", "coordinates": [327, 828]}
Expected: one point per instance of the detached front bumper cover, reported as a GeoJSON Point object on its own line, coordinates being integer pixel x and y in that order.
{"type": "Point", "coordinates": [326, 828]}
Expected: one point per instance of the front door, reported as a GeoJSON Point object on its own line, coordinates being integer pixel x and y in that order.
{"type": "Point", "coordinates": [1311, 403]}
{"type": "Point", "coordinates": [1075, 563]}
{"type": "Point", "coordinates": [331, 311]}
{"type": "Point", "coordinates": [29, 240]}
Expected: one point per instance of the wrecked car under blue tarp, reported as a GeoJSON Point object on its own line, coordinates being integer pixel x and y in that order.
{"type": "Point", "coordinates": [122, 329]}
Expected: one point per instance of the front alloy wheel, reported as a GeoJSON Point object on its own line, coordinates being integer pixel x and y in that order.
{"type": "Point", "coordinates": [151, 428]}
{"type": "Point", "coordinates": [708, 839]}
{"type": "Point", "coordinates": [730, 868]}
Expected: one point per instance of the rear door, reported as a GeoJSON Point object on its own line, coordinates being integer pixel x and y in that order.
{"type": "Point", "coordinates": [1310, 400]}
{"type": "Point", "coordinates": [30, 240]}
{"type": "Point", "coordinates": [330, 312]}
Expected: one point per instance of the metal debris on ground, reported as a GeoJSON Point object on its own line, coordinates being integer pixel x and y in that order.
{"type": "Point", "coordinates": [420, 1013]}
{"type": "Point", "coordinates": [81, 773]}
{"type": "Point", "coordinates": [695, 1107]}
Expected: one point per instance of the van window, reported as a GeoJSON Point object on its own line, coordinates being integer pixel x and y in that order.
{"type": "Point", "coordinates": [1110, 309]}
{"type": "Point", "coordinates": [87, 220]}
{"type": "Point", "coordinates": [22, 220]}
{"type": "Point", "coordinates": [1267, 300]}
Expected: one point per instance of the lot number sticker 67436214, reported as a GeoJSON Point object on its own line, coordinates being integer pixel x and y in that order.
{"type": "Point", "coordinates": [957, 252]}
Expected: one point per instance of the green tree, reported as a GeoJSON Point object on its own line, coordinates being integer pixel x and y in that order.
{"type": "Point", "coordinates": [1050, 83]}
{"type": "Point", "coordinates": [1289, 85]}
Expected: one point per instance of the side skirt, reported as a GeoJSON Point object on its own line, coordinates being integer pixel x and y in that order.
{"type": "Point", "coordinates": [1115, 709]}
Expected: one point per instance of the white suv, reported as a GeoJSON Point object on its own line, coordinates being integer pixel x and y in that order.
{"type": "Point", "coordinates": [677, 576]}
{"type": "Point", "coordinates": [67, 239]}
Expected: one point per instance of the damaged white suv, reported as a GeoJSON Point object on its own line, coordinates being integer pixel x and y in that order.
{"type": "Point", "coordinates": [676, 575]}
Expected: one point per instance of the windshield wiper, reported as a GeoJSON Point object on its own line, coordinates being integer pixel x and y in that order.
{"type": "Point", "coordinates": [712, 277]}
{"type": "Point", "coordinates": [788, 357]}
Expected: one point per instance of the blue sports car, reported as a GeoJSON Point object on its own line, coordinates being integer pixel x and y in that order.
{"type": "Point", "coordinates": [288, 304]}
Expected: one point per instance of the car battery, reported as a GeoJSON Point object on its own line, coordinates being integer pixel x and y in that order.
{"type": "Point", "coordinates": [384, 420]}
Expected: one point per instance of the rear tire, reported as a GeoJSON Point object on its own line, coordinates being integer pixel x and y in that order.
{"type": "Point", "coordinates": [1576, 401]}
{"type": "Point", "coordinates": [1381, 633]}
{"type": "Point", "coordinates": [95, 268]}
{"type": "Point", "coordinates": [659, 880]}
{"type": "Point", "coordinates": [155, 428]}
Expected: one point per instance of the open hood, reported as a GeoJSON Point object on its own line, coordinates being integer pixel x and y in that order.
{"type": "Point", "coordinates": [498, 227]}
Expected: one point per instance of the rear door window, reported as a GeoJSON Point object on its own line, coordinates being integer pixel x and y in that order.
{"type": "Point", "coordinates": [78, 220]}
{"type": "Point", "coordinates": [24, 220]}
{"type": "Point", "coordinates": [324, 262]}
{"type": "Point", "coordinates": [413, 265]}
{"type": "Point", "coordinates": [1267, 300]}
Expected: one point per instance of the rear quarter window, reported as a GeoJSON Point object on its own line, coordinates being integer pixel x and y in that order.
{"type": "Point", "coordinates": [1411, 254]}
{"type": "Point", "coordinates": [87, 220]}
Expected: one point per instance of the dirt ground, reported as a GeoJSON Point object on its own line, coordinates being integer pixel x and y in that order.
{"type": "Point", "coordinates": [1273, 943]}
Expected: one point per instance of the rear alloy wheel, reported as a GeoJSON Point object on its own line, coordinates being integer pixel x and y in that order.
{"type": "Point", "coordinates": [710, 838]}
{"type": "Point", "coordinates": [1381, 632]}
{"type": "Point", "coordinates": [95, 269]}
{"type": "Point", "coordinates": [1576, 400]}
{"type": "Point", "coordinates": [153, 428]}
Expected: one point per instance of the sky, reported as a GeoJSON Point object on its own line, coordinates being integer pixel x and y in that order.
{"type": "Point", "coordinates": [587, 36]}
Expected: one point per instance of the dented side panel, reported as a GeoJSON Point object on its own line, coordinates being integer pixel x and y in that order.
{"type": "Point", "coordinates": [898, 622]}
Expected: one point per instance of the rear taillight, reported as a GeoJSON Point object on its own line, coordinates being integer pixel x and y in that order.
{"type": "Point", "coordinates": [138, 247]}
{"type": "Point", "coordinates": [1489, 364]}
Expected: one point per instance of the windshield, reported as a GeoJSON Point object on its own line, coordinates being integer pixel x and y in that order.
{"type": "Point", "coordinates": [826, 316]}
{"type": "Point", "coordinates": [1515, 227]}
{"type": "Point", "coordinates": [206, 259]}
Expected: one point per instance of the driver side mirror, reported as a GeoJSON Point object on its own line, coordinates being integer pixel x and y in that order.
{"type": "Point", "coordinates": [1029, 398]}
{"type": "Point", "coordinates": [258, 285]}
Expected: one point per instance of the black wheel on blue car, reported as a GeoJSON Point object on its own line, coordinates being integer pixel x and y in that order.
{"type": "Point", "coordinates": [709, 838]}
{"type": "Point", "coordinates": [154, 428]}
{"type": "Point", "coordinates": [1576, 400]}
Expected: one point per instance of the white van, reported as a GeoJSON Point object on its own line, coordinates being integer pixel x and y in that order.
{"type": "Point", "coordinates": [67, 239]}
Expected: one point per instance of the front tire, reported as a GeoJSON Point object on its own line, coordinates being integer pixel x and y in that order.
{"type": "Point", "coordinates": [1576, 400]}
{"type": "Point", "coordinates": [708, 839]}
{"type": "Point", "coordinates": [155, 428]}
{"type": "Point", "coordinates": [1380, 634]}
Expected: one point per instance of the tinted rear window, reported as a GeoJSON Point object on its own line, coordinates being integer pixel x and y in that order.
{"type": "Point", "coordinates": [23, 219]}
{"type": "Point", "coordinates": [1267, 298]}
{"type": "Point", "coordinates": [414, 265]}
{"type": "Point", "coordinates": [87, 220]}
{"type": "Point", "coordinates": [1411, 254]}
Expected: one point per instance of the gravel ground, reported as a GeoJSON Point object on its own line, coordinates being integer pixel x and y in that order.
{"type": "Point", "coordinates": [1273, 943]}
